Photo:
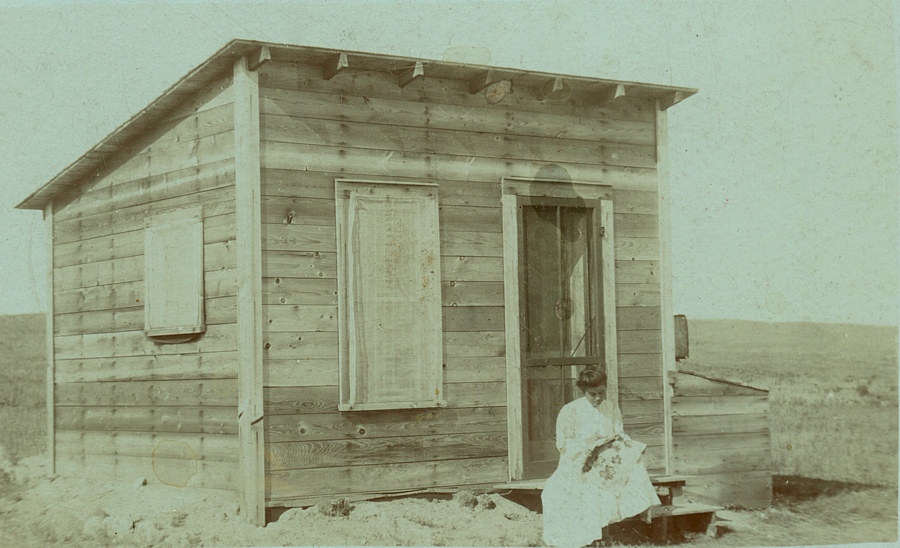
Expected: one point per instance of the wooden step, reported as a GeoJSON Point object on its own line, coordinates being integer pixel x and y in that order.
{"type": "Point", "coordinates": [538, 484]}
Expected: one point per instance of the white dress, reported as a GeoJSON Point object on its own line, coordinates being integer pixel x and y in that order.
{"type": "Point", "coordinates": [576, 504]}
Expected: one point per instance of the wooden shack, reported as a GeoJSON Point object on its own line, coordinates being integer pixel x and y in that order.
{"type": "Point", "coordinates": [304, 273]}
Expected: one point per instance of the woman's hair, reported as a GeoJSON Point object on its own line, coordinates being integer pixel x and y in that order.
{"type": "Point", "coordinates": [591, 377]}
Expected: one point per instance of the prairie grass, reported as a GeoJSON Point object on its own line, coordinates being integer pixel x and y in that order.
{"type": "Point", "coordinates": [23, 412]}
{"type": "Point", "coordinates": [833, 392]}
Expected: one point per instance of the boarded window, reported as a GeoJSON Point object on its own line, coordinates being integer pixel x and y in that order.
{"type": "Point", "coordinates": [173, 274]}
{"type": "Point", "coordinates": [389, 296]}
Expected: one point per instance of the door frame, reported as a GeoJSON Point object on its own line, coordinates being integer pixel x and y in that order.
{"type": "Point", "coordinates": [513, 190]}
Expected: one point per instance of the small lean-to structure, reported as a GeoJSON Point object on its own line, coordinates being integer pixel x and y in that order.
{"type": "Point", "coordinates": [304, 273]}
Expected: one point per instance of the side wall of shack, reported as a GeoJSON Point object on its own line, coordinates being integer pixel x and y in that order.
{"type": "Point", "coordinates": [125, 406]}
{"type": "Point", "coordinates": [361, 124]}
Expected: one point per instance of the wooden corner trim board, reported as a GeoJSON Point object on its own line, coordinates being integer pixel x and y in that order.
{"type": "Point", "coordinates": [667, 315]}
{"type": "Point", "coordinates": [249, 300]}
{"type": "Point", "coordinates": [49, 346]}
{"type": "Point", "coordinates": [337, 64]}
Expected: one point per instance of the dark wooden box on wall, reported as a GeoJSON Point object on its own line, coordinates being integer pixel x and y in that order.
{"type": "Point", "coordinates": [367, 274]}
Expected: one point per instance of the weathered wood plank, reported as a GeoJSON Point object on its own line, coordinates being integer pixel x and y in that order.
{"type": "Point", "coordinates": [712, 461]}
{"type": "Point", "coordinates": [471, 269]}
{"type": "Point", "coordinates": [127, 294]}
{"type": "Point", "coordinates": [369, 451]}
{"type": "Point", "coordinates": [637, 272]}
{"type": "Point", "coordinates": [299, 291]}
{"type": "Point", "coordinates": [178, 472]}
{"type": "Point", "coordinates": [472, 318]}
{"type": "Point", "coordinates": [689, 385]}
{"type": "Point", "coordinates": [292, 76]}
{"type": "Point", "coordinates": [219, 201]}
{"type": "Point", "coordinates": [462, 344]}
{"type": "Point", "coordinates": [205, 366]}
{"type": "Point", "coordinates": [381, 424]}
{"type": "Point", "coordinates": [478, 369]}
{"type": "Point", "coordinates": [689, 444]}
{"type": "Point", "coordinates": [169, 157]}
{"type": "Point", "coordinates": [298, 237]}
{"type": "Point", "coordinates": [249, 243]}
{"type": "Point", "coordinates": [286, 484]}
{"type": "Point", "coordinates": [640, 388]}
{"type": "Point", "coordinates": [146, 190]}
{"type": "Point", "coordinates": [471, 244]}
{"type": "Point", "coordinates": [637, 226]}
{"type": "Point", "coordinates": [324, 399]}
{"type": "Point", "coordinates": [641, 411]}
{"type": "Point", "coordinates": [218, 262]}
{"type": "Point", "coordinates": [633, 201]}
{"type": "Point", "coordinates": [320, 372]}
{"type": "Point", "coordinates": [205, 447]}
{"type": "Point", "coordinates": [293, 318]}
{"type": "Point", "coordinates": [639, 342]}
{"type": "Point", "coordinates": [351, 134]}
{"type": "Point", "coordinates": [300, 345]}
{"type": "Point", "coordinates": [752, 422]}
{"type": "Point", "coordinates": [218, 338]}
{"type": "Point", "coordinates": [640, 365]}
{"type": "Point", "coordinates": [309, 372]}
{"type": "Point", "coordinates": [189, 419]}
{"type": "Point", "coordinates": [638, 295]}
{"type": "Point", "coordinates": [389, 163]}
{"type": "Point", "coordinates": [637, 249]}
{"type": "Point", "coordinates": [299, 264]}
{"type": "Point", "coordinates": [217, 229]}
{"type": "Point", "coordinates": [315, 185]}
{"type": "Point", "coordinates": [471, 294]}
{"type": "Point", "coordinates": [50, 331]}
{"type": "Point", "coordinates": [208, 392]}
{"type": "Point", "coordinates": [173, 134]}
{"type": "Point", "coordinates": [634, 318]}
{"type": "Point", "coordinates": [300, 210]}
{"type": "Point", "coordinates": [719, 405]}
{"type": "Point", "coordinates": [484, 119]}
{"type": "Point", "coordinates": [475, 394]}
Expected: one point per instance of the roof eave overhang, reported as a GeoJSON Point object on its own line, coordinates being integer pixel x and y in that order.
{"type": "Point", "coordinates": [221, 62]}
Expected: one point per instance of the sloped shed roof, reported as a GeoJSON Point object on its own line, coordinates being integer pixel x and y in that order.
{"type": "Point", "coordinates": [222, 61]}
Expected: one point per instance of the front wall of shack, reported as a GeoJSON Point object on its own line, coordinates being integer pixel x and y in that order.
{"type": "Point", "coordinates": [361, 124]}
{"type": "Point", "coordinates": [125, 407]}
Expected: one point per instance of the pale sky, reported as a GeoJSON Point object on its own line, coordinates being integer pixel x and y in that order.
{"type": "Point", "coordinates": [784, 168]}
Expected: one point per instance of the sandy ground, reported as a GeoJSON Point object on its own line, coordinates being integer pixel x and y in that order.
{"type": "Point", "coordinates": [39, 511]}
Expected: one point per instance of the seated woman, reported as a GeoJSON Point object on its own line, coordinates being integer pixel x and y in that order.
{"type": "Point", "coordinates": [600, 478]}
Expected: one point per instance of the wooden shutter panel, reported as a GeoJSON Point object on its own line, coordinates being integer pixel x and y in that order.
{"type": "Point", "coordinates": [173, 273]}
{"type": "Point", "coordinates": [393, 300]}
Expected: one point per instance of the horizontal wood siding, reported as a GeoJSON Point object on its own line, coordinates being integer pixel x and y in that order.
{"type": "Point", "coordinates": [126, 406]}
{"type": "Point", "coordinates": [362, 125]}
{"type": "Point", "coordinates": [721, 441]}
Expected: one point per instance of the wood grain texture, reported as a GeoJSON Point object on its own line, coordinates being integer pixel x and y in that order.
{"type": "Point", "coordinates": [177, 472]}
{"type": "Point", "coordinates": [50, 316]}
{"type": "Point", "coordinates": [146, 190]}
{"type": "Point", "coordinates": [374, 110]}
{"type": "Point", "coordinates": [201, 366]}
{"type": "Point", "coordinates": [293, 76]}
{"type": "Point", "coordinates": [205, 447]}
{"type": "Point", "coordinates": [287, 484]}
{"type": "Point", "coordinates": [246, 147]}
{"type": "Point", "coordinates": [217, 201]}
{"type": "Point", "coordinates": [167, 419]}
{"type": "Point", "coordinates": [211, 392]}
{"type": "Point", "coordinates": [218, 338]}
{"type": "Point", "coordinates": [355, 134]}
{"type": "Point", "coordinates": [372, 451]}
{"type": "Point", "coordinates": [385, 424]}
{"type": "Point", "coordinates": [428, 167]}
